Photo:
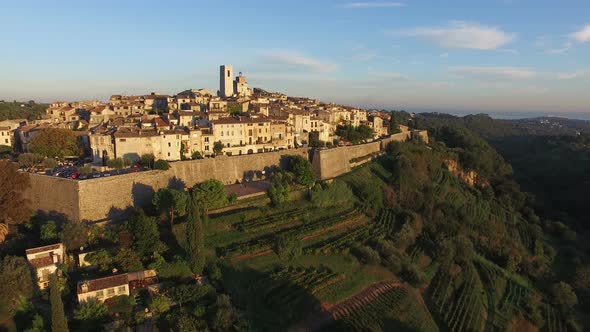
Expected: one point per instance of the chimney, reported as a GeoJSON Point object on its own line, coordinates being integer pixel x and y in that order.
{"type": "Point", "coordinates": [84, 287]}
{"type": "Point", "coordinates": [55, 258]}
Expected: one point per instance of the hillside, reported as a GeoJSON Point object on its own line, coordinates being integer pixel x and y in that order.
{"type": "Point", "coordinates": [21, 110]}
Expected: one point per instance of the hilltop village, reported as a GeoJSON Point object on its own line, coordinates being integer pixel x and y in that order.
{"type": "Point", "coordinates": [196, 123]}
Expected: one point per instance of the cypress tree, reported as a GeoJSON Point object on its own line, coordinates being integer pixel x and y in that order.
{"type": "Point", "coordinates": [58, 316]}
{"type": "Point", "coordinates": [196, 249]}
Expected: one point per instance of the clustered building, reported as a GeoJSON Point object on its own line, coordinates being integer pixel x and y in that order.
{"type": "Point", "coordinates": [238, 120]}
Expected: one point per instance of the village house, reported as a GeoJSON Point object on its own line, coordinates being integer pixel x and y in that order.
{"type": "Point", "coordinates": [45, 261]}
{"type": "Point", "coordinates": [105, 288]}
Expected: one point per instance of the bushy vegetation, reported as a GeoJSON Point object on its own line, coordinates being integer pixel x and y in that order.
{"type": "Point", "coordinates": [21, 110]}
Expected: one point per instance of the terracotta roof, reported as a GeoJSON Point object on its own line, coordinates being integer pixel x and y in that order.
{"type": "Point", "coordinates": [4, 128]}
{"type": "Point", "coordinates": [125, 132]}
{"type": "Point", "coordinates": [42, 262]}
{"type": "Point", "coordinates": [41, 249]}
{"type": "Point", "coordinates": [103, 283]}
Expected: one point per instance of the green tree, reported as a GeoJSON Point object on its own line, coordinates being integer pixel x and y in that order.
{"type": "Point", "coordinates": [302, 170]}
{"type": "Point", "coordinates": [225, 314]}
{"type": "Point", "coordinates": [218, 147]}
{"type": "Point", "coordinates": [29, 160]}
{"type": "Point", "coordinates": [100, 258]}
{"type": "Point", "coordinates": [59, 322]}
{"type": "Point", "coordinates": [91, 315]}
{"type": "Point", "coordinates": [211, 194]}
{"type": "Point", "coordinates": [314, 139]}
{"type": "Point", "coordinates": [162, 165]}
{"type": "Point", "coordinates": [85, 170]}
{"type": "Point", "coordinates": [196, 155]}
{"type": "Point", "coordinates": [147, 160]}
{"type": "Point", "coordinates": [74, 235]}
{"type": "Point", "coordinates": [195, 238]}
{"type": "Point", "coordinates": [128, 260]}
{"type": "Point", "coordinates": [235, 109]}
{"type": "Point", "coordinates": [171, 202]}
{"type": "Point", "coordinates": [16, 284]}
{"type": "Point", "coordinates": [393, 125]}
{"type": "Point", "coordinates": [278, 193]}
{"type": "Point", "coordinates": [55, 143]}
{"type": "Point", "coordinates": [49, 231]}
{"type": "Point", "coordinates": [146, 236]}
{"type": "Point", "coordinates": [122, 305]}
{"type": "Point", "coordinates": [117, 163]}
{"type": "Point", "coordinates": [564, 295]}
{"type": "Point", "coordinates": [159, 305]}
{"type": "Point", "coordinates": [5, 150]}
{"type": "Point", "coordinates": [287, 247]}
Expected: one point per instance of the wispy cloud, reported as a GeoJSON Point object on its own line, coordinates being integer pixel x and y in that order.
{"type": "Point", "coordinates": [297, 59]}
{"type": "Point", "coordinates": [494, 73]}
{"type": "Point", "coordinates": [361, 53]}
{"type": "Point", "coordinates": [576, 75]}
{"type": "Point", "coordinates": [352, 5]}
{"type": "Point", "coordinates": [582, 35]}
{"type": "Point", "coordinates": [561, 50]}
{"type": "Point", "coordinates": [444, 55]}
{"type": "Point", "coordinates": [459, 34]}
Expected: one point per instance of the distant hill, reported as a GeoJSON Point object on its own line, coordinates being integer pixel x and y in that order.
{"type": "Point", "coordinates": [21, 110]}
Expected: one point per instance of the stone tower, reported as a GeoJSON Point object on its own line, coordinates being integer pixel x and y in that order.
{"type": "Point", "coordinates": [226, 81]}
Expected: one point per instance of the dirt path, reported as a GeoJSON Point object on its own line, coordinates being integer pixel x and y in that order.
{"type": "Point", "coordinates": [334, 312]}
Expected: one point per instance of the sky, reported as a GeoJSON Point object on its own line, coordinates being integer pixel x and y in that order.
{"type": "Point", "coordinates": [467, 55]}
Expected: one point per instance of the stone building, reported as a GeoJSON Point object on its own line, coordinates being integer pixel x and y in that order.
{"type": "Point", "coordinates": [45, 261]}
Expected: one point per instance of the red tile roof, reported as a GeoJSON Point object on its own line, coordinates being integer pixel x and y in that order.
{"type": "Point", "coordinates": [103, 283]}
{"type": "Point", "coordinates": [42, 249]}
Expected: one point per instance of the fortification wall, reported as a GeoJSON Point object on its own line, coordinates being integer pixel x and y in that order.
{"type": "Point", "coordinates": [110, 197]}
{"type": "Point", "coordinates": [53, 195]}
{"type": "Point", "coordinates": [106, 198]}
{"type": "Point", "coordinates": [330, 163]}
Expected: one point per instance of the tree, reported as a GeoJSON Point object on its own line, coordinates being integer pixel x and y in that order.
{"type": "Point", "coordinates": [146, 236]}
{"type": "Point", "coordinates": [116, 163]}
{"type": "Point", "coordinates": [50, 163]}
{"type": "Point", "coordinates": [301, 168]}
{"type": "Point", "coordinates": [49, 231]}
{"type": "Point", "coordinates": [393, 125]}
{"type": "Point", "coordinates": [563, 295]}
{"type": "Point", "coordinates": [171, 202]}
{"type": "Point", "coordinates": [16, 283]}
{"type": "Point", "coordinates": [278, 193]}
{"type": "Point", "coordinates": [162, 165]}
{"type": "Point", "coordinates": [218, 147]}
{"type": "Point", "coordinates": [128, 260]}
{"type": "Point", "coordinates": [195, 238]}
{"type": "Point", "coordinates": [147, 160]}
{"type": "Point", "coordinates": [91, 315]}
{"type": "Point", "coordinates": [314, 139]}
{"type": "Point", "coordinates": [74, 235]}
{"type": "Point", "coordinates": [582, 277]}
{"type": "Point", "coordinates": [210, 194]}
{"type": "Point", "coordinates": [100, 258]}
{"type": "Point", "coordinates": [122, 305]}
{"type": "Point", "coordinates": [287, 247]}
{"type": "Point", "coordinates": [59, 322]}
{"type": "Point", "coordinates": [196, 155]}
{"type": "Point", "coordinates": [14, 208]}
{"type": "Point", "coordinates": [5, 150]}
{"type": "Point", "coordinates": [29, 160]}
{"type": "Point", "coordinates": [159, 305]}
{"type": "Point", "coordinates": [55, 143]}
{"type": "Point", "coordinates": [235, 109]}
{"type": "Point", "coordinates": [225, 314]}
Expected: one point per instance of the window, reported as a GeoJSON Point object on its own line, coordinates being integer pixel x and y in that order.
{"type": "Point", "coordinates": [110, 291]}
{"type": "Point", "coordinates": [122, 140]}
{"type": "Point", "coordinates": [207, 139]}
{"type": "Point", "coordinates": [169, 144]}
{"type": "Point", "coordinates": [206, 147]}
{"type": "Point", "coordinates": [99, 294]}
{"type": "Point", "coordinates": [121, 289]}
{"type": "Point", "coordinates": [168, 154]}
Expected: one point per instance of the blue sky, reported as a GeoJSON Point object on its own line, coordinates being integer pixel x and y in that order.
{"type": "Point", "coordinates": [476, 55]}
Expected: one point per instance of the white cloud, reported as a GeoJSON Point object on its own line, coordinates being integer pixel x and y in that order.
{"type": "Point", "coordinates": [564, 49]}
{"type": "Point", "coordinates": [444, 55]}
{"type": "Point", "coordinates": [583, 35]}
{"type": "Point", "coordinates": [293, 58]}
{"type": "Point", "coordinates": [372, 5]}
{"type": "Point", "coordinates": [577, 75]}
{"type": "Point", "coordinates": [494, 73]}
{"type": "Point", "coordinates": [458, 34]}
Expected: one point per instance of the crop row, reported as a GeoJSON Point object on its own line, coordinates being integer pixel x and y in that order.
{"type": "Point", "coordinates": [268, 222]}
{"type": "Point", "coordinates": [265, 241]}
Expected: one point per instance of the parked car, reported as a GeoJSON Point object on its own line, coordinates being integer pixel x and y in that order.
{"type": "Point", "coordinates": [106, 173]}
{"type": "Point", "coordinates": [83, 177]}
{"type": "Point", "coordinates": [96, 175]}
{"type": "Point", "coordinates": [74, 176]}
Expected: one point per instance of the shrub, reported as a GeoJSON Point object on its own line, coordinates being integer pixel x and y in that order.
{"type": "Point", "coordinates": [162, 165]}
{"type": "Point", "coordinates": [367, 255]}
{"type": "Point", "coordinates": [287, 247]}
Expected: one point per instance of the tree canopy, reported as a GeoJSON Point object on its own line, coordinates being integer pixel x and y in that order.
{"type": "Point", "coordinates": [55, 143]}
{"type": "Point", "coordinates": [172, 202]}
{"type": "Point", "coordinates": [14, 208]}
{"type": "Point", "coordinates": [211, 194]}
